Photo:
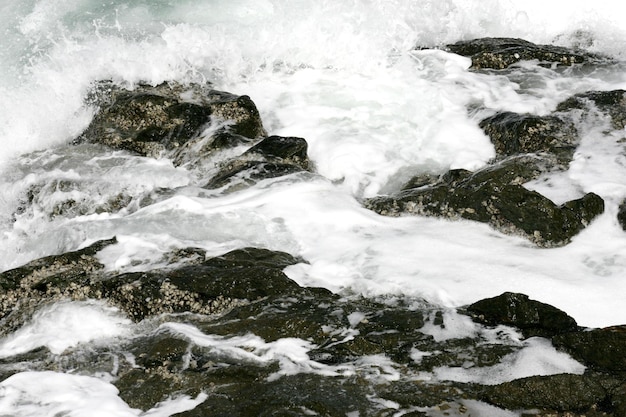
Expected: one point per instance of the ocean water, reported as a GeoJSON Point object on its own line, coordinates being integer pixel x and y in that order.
{"type": "Point", "coordinates": [350, 77]}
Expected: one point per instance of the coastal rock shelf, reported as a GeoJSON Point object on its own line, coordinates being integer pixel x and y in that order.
{"type": "Point", "coordinates": [244, 293]}
{"type": "Point", "coordinates": [236, 328]}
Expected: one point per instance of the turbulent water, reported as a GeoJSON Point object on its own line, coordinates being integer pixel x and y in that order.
{"type": "Point", "coordinates": [349, 76]}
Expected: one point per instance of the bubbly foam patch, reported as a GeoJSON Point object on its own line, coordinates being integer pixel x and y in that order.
{"type": "Point", "coordinates": [64, 325]}
{"type": "Point", "coordinates": [32, 394]}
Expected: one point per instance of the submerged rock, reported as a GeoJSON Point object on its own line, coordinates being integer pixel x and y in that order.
{"type": "Point", "coordinates": [532, 317]}
{"type": "Point", "coordinates": [500, 53]}
{"type": "Point", "coordinates": [272, 157]}
{"type": "Point", "coordinates": [495, 195]}
{"type": "Point", "coordinates": [611, 103]}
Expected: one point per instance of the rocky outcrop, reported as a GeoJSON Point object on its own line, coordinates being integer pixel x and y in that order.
{"type": "Point", "coordinates": [599, 390]}
{"type": "Point", "coordinates": [496, 195]}
{"type": "Point", "coordinates": [196, 127]}
{"type": "Point", "coordinates": [245, 294]}
{"type": "Point", "coordinates": [500, 53]}
{"type": "Point", "coordinates": [526, 147]}
{"type": "Point", "coordinates": [198, 286]}
{"type": "Point", "coordinates": [532, 317]}
{"type": "Point", "coordinates": [151, 120]}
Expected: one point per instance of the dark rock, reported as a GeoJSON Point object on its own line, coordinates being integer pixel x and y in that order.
{"type": "Point", "coordinates": [160, 350]}
{"type": "Point", "coordinates": [151, 120]}
{"type": "Point", "coordinates": [294, 395]}
{"type": "Point", "coordinates": [424, 394]}
{"type": "Point", "coordinates": [611, 103]}
{"type": "Point", "coordinates": [246, 173]}
{"type": "Point", "coordinates": [513, 134]}
{"type": "Point", "coordinates": [500, 53]}
{"type": "Point", "coordinates": [600, 349]}
{"type": "Point", "coordinates": [532, 317]}
{"type": "Point", "coordinates": [621, 215]}
{"type": "Point", "coordinates": [618, 401]}
{"type": "Point", "coordinates": [191, 284]}
{"type": "Point", "coordinates": [209, 287]}
{"type": "Point", "coordinates": [239, 111]}
{"type": "Point", "coordinates": [563, 392]}
{"type": "Point", "coordinates": [495, 195]}
{"type": "Point", "coordinates": [197, 128]}
{"type": "Point", "coordinates": [286, 150]}
{"type": "Point", "coordinates": [274, 156]}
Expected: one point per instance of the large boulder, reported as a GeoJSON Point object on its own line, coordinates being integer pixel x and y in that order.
{"type": "Point", "coordinates": [495, 195]}
{"type": "Point", "coordinates": [532, 317]}
{"type": "Point", "coordinates": [218, 135]}
{"type": "Point", "coordinates": [151, 120]}
{"type": "Point", "coordinates": [500, 53]}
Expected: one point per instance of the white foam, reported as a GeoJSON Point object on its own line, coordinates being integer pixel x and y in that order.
{"type": "Point", "coordinates": [33, 394]}
{"type": "Point", "coordinates": [537, 357]}
{"type": "Point", "coordinates": [63, 325]}
{"type": "Point", "coordinates": [290, 353]}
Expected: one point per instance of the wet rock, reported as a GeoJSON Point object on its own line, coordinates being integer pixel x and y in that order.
{"type": "Point", "coordinates": [495, 195]}
{"type": "Point", "coordinates": [245, 173]}
{"type": "Point", "coordinates": [150, 120]}
{"type": "Point", "coordinates": [562, 392]}
{"type": "Point", "coordinates": [532, 317]}
{"type": "Point", "coordinates": [425, 394]}
{"type": "Point", "coordinates": [500, 53]}
{"type": "Point", "coordinates": [55, 277]}
{"type": "Point", "coordinates": [513, 134]}
{"type": "Point", "coordinates": [600, 349]}
{"type": "Point", "coordinates": [272, 157]}
{"type": "Point", "coordinates": [296, 395]}
{"type": "Point", "coordinates": [611, 103]}
{"type": "Point", "coordinates": [618, 401]}
{"type": "Point", "coordinates": [190, 284]}
{"type": "Point", "coordinates": [287, 150]}
{"type": "Point", "coordinates": [621, 215]}
{"type": "Point", "coordinates": [198, 128]}
{"type": "Point", "coordinates": [210, 287]}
